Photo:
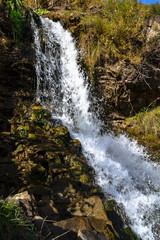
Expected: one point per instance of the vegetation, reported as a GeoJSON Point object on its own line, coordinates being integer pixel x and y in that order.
{"type": "Point", "coordinates": [147, 121]}
{"type": "Point", "coordinates": [13, 223]}
{"type": "Point", "coordinates": [145, 126]}
{"type": "Point", "coordinates": [15, 17]}
{"type": "Point", "coordinates": [13, 5]}
{"type": "Point", "coordinates": [112, 29]}
{"type": "Point", "coordinates": [42, 11]}
{"type": "Point", "coordinates": [17, 24]}
{"type": "Point", "coordinates": [155, 8]}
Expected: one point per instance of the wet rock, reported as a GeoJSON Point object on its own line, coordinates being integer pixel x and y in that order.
{"type": "Point", "coordinates": [48, 209]}
{"type": "Point", "coordinates": [74, 224]}
{"type": "Point", "coordinates": [41, 227]}
{"type": "Point", "coordinates": [92, 207]}
{"type": "Point", "coordinates": [91, 235]}
{"type": "Point", "coordinates": [77, 145]}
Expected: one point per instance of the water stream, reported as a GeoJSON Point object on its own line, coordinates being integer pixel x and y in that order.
{"type": "Point", "coordinates": [122, 167]}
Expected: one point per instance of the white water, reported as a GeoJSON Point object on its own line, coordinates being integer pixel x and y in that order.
{"type": "Point", "coordinates": [122, 167]}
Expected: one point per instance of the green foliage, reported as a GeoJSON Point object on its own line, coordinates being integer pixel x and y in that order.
{"type": "Point", "coordinates": [42, 11]}
{"type": "Point", "coordinates": [155, 9]}
{"type": "Point", "coordinates": [13, 4]}
{"type": "Point", "coordinates": [17, 24]}
{"type": "Point", "coordinates": [10, 212]}
{"type": "Point", "coordinates": [13, 224]}
{"type": "Point", "coordinates": [15, 17]}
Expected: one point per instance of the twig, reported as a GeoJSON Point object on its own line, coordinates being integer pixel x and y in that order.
{"type": "Point", "coordinates": [61, 235]}
{"type": "Point", "coordinates": [143, 76]}
{"type": "Point", "coordinates": [42, 225]}
{"type": "Point", "coordinates": [48, 234]}
{"type": "Point", "coordinates": [154, 101]}
{"type": "Point", "coordinates": [99, 10]}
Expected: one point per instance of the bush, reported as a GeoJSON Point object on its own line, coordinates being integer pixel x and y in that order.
{"type": "Point", "coordinates": [13, 4]}
{"type": "Point", "coordinates": [15, 17]}
{"type": "Point", "coordinates": [17, 24]}
{"type": "Point", "coordinates": [155, 9]}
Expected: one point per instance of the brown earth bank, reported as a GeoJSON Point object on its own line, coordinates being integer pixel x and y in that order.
{"type": "Point", "coordinates": [41, 167]}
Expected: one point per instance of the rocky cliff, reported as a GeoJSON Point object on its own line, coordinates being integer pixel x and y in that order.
{"type": "Point", "coordinates": [39, 159]}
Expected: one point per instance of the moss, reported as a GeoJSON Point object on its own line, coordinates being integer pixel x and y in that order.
{"type": "Point", "coordinates": [110, 205]}
{"type": "Point", "coordinates": [129, 232]}
{"type": "Point", "coordinates": [84, 178]}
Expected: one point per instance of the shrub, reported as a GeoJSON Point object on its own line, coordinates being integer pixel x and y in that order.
{"type": "Point", "coordinates": [13, 4]}
{"type": "Point", "coordinates": [17, 24]}
{"type": "Point", "coordinates": [155, 9]}
{"type": "Point", "coordinates": [15, 17]}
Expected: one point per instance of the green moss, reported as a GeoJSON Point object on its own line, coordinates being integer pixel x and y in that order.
{"type": "Point", "coordinates": [17, 24]}
{"type": "Point", "coordinates": [129, 232]}
{"type": "Point", "coordinates": [110, 205]}
{"type": "Point", "coordinates": [84, 178]}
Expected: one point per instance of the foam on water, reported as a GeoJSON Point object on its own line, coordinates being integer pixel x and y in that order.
{"type": "Point", "coordinates": [122, 167]}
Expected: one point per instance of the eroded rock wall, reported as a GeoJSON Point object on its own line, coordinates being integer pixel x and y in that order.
{"type": "Point", "coordinates": [17, 75]}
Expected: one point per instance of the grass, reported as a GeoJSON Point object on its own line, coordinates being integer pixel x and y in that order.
{"type": "Point", "coordinates": [148, 121]}
{"type": "Point", "coordinates": [110, 29]}
{"type": "Point", "coordinates": [145, 127]}
{"type": "Point", "coordinates": [13, 223]}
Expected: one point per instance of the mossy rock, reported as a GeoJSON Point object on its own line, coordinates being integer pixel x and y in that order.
{"type": "Point", "coordinates": [19, 149]}
{"type": "Point", "coordinates": [60, 132]}
{"type": "Point", "coordinates": [84, 178]}
{"type": "Point", "coordinates": [110, 205]}
{"type": "Point", "coordinates": [129, 232]}
{"type": "Point", "coordinates": [39, 115]}
{"type": "Point", "coordinates": [36, 136]}
{"type": "Point", "coordinates": [77, 145]}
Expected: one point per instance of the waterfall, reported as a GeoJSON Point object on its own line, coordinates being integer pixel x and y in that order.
{"type": "Point", "coordinates": [122, 167]}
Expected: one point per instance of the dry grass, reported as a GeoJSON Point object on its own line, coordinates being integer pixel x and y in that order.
{"type": "Point", "coordinates": [148, 122]}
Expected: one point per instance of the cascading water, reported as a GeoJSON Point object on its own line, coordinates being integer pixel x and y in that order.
{"type": "Point", "coordinates": [123, 169]}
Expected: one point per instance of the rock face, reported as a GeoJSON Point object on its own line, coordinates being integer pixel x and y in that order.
{"type": "Point", "coordinates": [17, 78]}
{"type": "Point", "coordinates": [127, 88]}
{"type": "Point", "coordinates": [39, 159]}
{"type": "Point", "coordinates": [17, 83]}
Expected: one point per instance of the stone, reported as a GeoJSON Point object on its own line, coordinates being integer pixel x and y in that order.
{"type": "Point", "coordinates": [91, 235]}
{"type": "Point", "coordinates": [92, 207]}
{"type": "Point", "coordinates": [48, 208]}
{"type": "Point", "coordinates": [87, 235]}
{"type": "Point", "coordinates": [75, 224]}
{"type": "Point", "coordinates": [41, 226]}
